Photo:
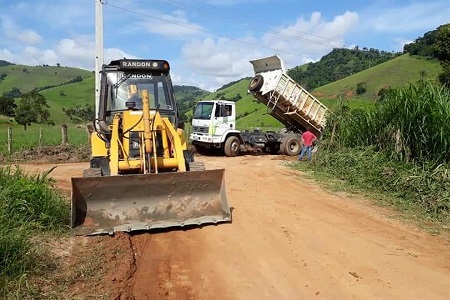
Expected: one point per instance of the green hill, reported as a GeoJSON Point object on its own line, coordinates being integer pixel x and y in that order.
{"type": "Point", "coordinates": [338, 64]}
{"type": "Point", "coordinates": [393, 73]}
{"type": "Point", "coordinates": [26, 78]}
{"type": "Point", "coordinates": [67, 96]}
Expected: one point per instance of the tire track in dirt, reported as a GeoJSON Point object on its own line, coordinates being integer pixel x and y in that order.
{"type": "Point", "coordinates": [289, 239]}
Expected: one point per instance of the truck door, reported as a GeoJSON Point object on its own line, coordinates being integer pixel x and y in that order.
{"type": "Point", "coordinates": [224, 118]}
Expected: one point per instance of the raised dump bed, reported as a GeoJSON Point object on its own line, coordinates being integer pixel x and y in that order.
{"type": "Point", "coordinates": [287, 101]}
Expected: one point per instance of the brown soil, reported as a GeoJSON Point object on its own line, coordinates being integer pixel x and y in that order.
{"type": "Point", "coordinates": [289, 239]}
{"type": "Point", "coordinates": [43, 154]}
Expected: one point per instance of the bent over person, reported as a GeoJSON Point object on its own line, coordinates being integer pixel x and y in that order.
{"type": "Point", "coordinates": [308, 139]}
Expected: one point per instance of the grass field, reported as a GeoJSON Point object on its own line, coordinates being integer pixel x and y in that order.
{"type": "Point", "coordinates": [39, 135]}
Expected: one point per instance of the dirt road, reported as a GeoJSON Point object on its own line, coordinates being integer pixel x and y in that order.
{"type": "Point", "coordinates": [289, 239]}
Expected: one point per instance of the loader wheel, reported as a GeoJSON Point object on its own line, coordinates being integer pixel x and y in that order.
{"type": "Point", "coordinates": [196, 166]}
{"type": "Point", "coordinates": [291, 146]}
{"type": "Point", "coordinates": [256, 83]}
{"type": "Point", "coordinates": [232, 146]}
{"type": "Point", "coordinates": [92, 172]}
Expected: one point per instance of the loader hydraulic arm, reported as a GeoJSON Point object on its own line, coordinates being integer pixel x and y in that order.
{"type": "Point", "coordinates": [147, 125]}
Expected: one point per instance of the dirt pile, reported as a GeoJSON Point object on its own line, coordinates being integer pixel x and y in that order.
{"type": "Point", "coordinates": [49, 154]}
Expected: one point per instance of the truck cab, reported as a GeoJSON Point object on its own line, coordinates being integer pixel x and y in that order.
{"type": "Point", "coordinates": [213, 122]}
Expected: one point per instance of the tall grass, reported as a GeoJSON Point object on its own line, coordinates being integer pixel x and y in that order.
{"type": "Point", "coordinates": [410, 186]}
{"type": "Point", "coordinates": [28, 205]}
{"type": "Point", "coordinates": [410, 123]}
{"type": "Point", "coordinates": [400, 149]}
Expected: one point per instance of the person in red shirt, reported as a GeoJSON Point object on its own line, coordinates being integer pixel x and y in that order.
{"type": "Point", "coordinates": [308, 140]}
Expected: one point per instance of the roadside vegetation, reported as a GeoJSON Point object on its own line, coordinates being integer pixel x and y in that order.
{"type": "Point", "coordinates": [29, 206]}
{"type": "Point", "coordinates": [400, 150]}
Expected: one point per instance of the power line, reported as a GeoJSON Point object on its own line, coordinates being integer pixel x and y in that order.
{"type": "Point", "coordinates": [274, 32]}
{"type": "Point", "coordinates": [201, 30]}
{"type": "Point", "coordinates": [271, 24]}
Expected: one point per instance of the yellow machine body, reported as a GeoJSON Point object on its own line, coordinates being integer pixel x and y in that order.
{"type": "Point", "coordinates": [146, 177]}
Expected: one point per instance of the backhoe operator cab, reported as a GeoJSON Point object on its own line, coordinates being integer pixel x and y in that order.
{"type": "Point", "coordinates": [123, 81]}
{"type": "Point", "coordinates": [123, 84]}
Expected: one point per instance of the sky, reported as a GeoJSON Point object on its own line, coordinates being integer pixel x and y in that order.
{"type": "Point", "coordinates": [209, 43]}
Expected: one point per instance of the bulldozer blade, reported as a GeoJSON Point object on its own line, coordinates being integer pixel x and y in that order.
{"type": "Point", "coordinates": [104, 205]}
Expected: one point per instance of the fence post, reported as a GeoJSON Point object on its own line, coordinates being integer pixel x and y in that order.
{"type": "Point", "coordinates": [64, 134]}
{"type": "Point", "coordinates": [9, 140]}
{"type": "Point", "coordinates": [41, 134]}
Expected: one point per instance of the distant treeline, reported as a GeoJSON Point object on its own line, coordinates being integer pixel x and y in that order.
{"type": "Point", "coordinates": [426, 45]}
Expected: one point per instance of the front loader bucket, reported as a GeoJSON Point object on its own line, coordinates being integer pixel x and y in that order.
{"type": "Point", "coordinates": [107, 204]}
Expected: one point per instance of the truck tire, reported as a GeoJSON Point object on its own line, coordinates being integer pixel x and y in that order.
{"type": "Point", "coordinates": [256, 83]}
{"type": "Point", "coordinates": [232, 146]}
{"type": "Point", "coordinates": [291, 146]}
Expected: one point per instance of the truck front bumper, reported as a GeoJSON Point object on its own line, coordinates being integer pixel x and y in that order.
{"type": "Point", "coordinates": [205, 139]}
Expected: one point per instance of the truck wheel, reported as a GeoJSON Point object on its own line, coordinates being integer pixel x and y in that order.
{"type": "Point", "coordinates": [256, 83]}
{"type": "Point", "coordinates": [232, 146]}
{"type": "Point", "coordinates": [291, 146]}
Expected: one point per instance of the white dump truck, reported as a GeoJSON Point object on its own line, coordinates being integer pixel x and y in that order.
{"type": "Point", "coordinates": [286, 100]}
{"type": "Point", "coordinates": [214, 121]}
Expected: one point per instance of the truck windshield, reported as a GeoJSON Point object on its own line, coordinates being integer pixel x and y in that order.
{"type": "Point", "coordinates": [126, 88]}
{"type": "Point", "coordinates": [203, 110]}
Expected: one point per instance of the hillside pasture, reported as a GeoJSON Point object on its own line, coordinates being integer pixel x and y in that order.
{"type": "Point", "coordinates": [26, 78]}
{"type": "Point", "coordinates": [67, 96]}
{"type": "Point", "coordinates": [393, 73]}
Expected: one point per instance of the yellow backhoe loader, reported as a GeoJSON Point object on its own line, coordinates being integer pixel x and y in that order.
{"type": "Point", "coordinates": [141, 175]}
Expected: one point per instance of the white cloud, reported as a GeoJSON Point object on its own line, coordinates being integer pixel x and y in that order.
{"type": "Point", "coordinates": [5, 54]}
{"type": "Point", "coordinates": [417, 16]}
{"type": "Point", "coordinates": [14, 32]}
{"type": "Point", "coordinates": [172, 25]}
{"type": "Point", "coordinates": [28, 37]}
{"type": "Point", "coordinates": [219, 61]}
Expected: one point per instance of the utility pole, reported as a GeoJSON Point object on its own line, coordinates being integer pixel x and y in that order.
{"type": "Point", "coordinates": [98, 49]}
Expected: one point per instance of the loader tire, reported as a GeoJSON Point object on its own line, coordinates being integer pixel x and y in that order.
{"type": "Point", "coordinates": [256, 83]}
{"type": "Point", "coordinates": [196, 166]}
{"type": "Point", "coordinates": [92, 172]}
{"type": "Point", "coordinates": [291, 146]}
{"type": "Point", "coordinates": [232, 146]}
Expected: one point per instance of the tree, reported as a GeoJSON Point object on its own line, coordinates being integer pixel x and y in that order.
{"type": "Point", "coordinates": [7, 106]}
{"type": "Point", "coordinates": [442, 52]}
{"type": "Point", "coordinates": [32, 108]}
{"type": "Point", "coordinates": [13, 93]}
{"type": "Point", "coordinates": [361, 88]}
{"type": "Point", "coordinates": [80, 114]}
